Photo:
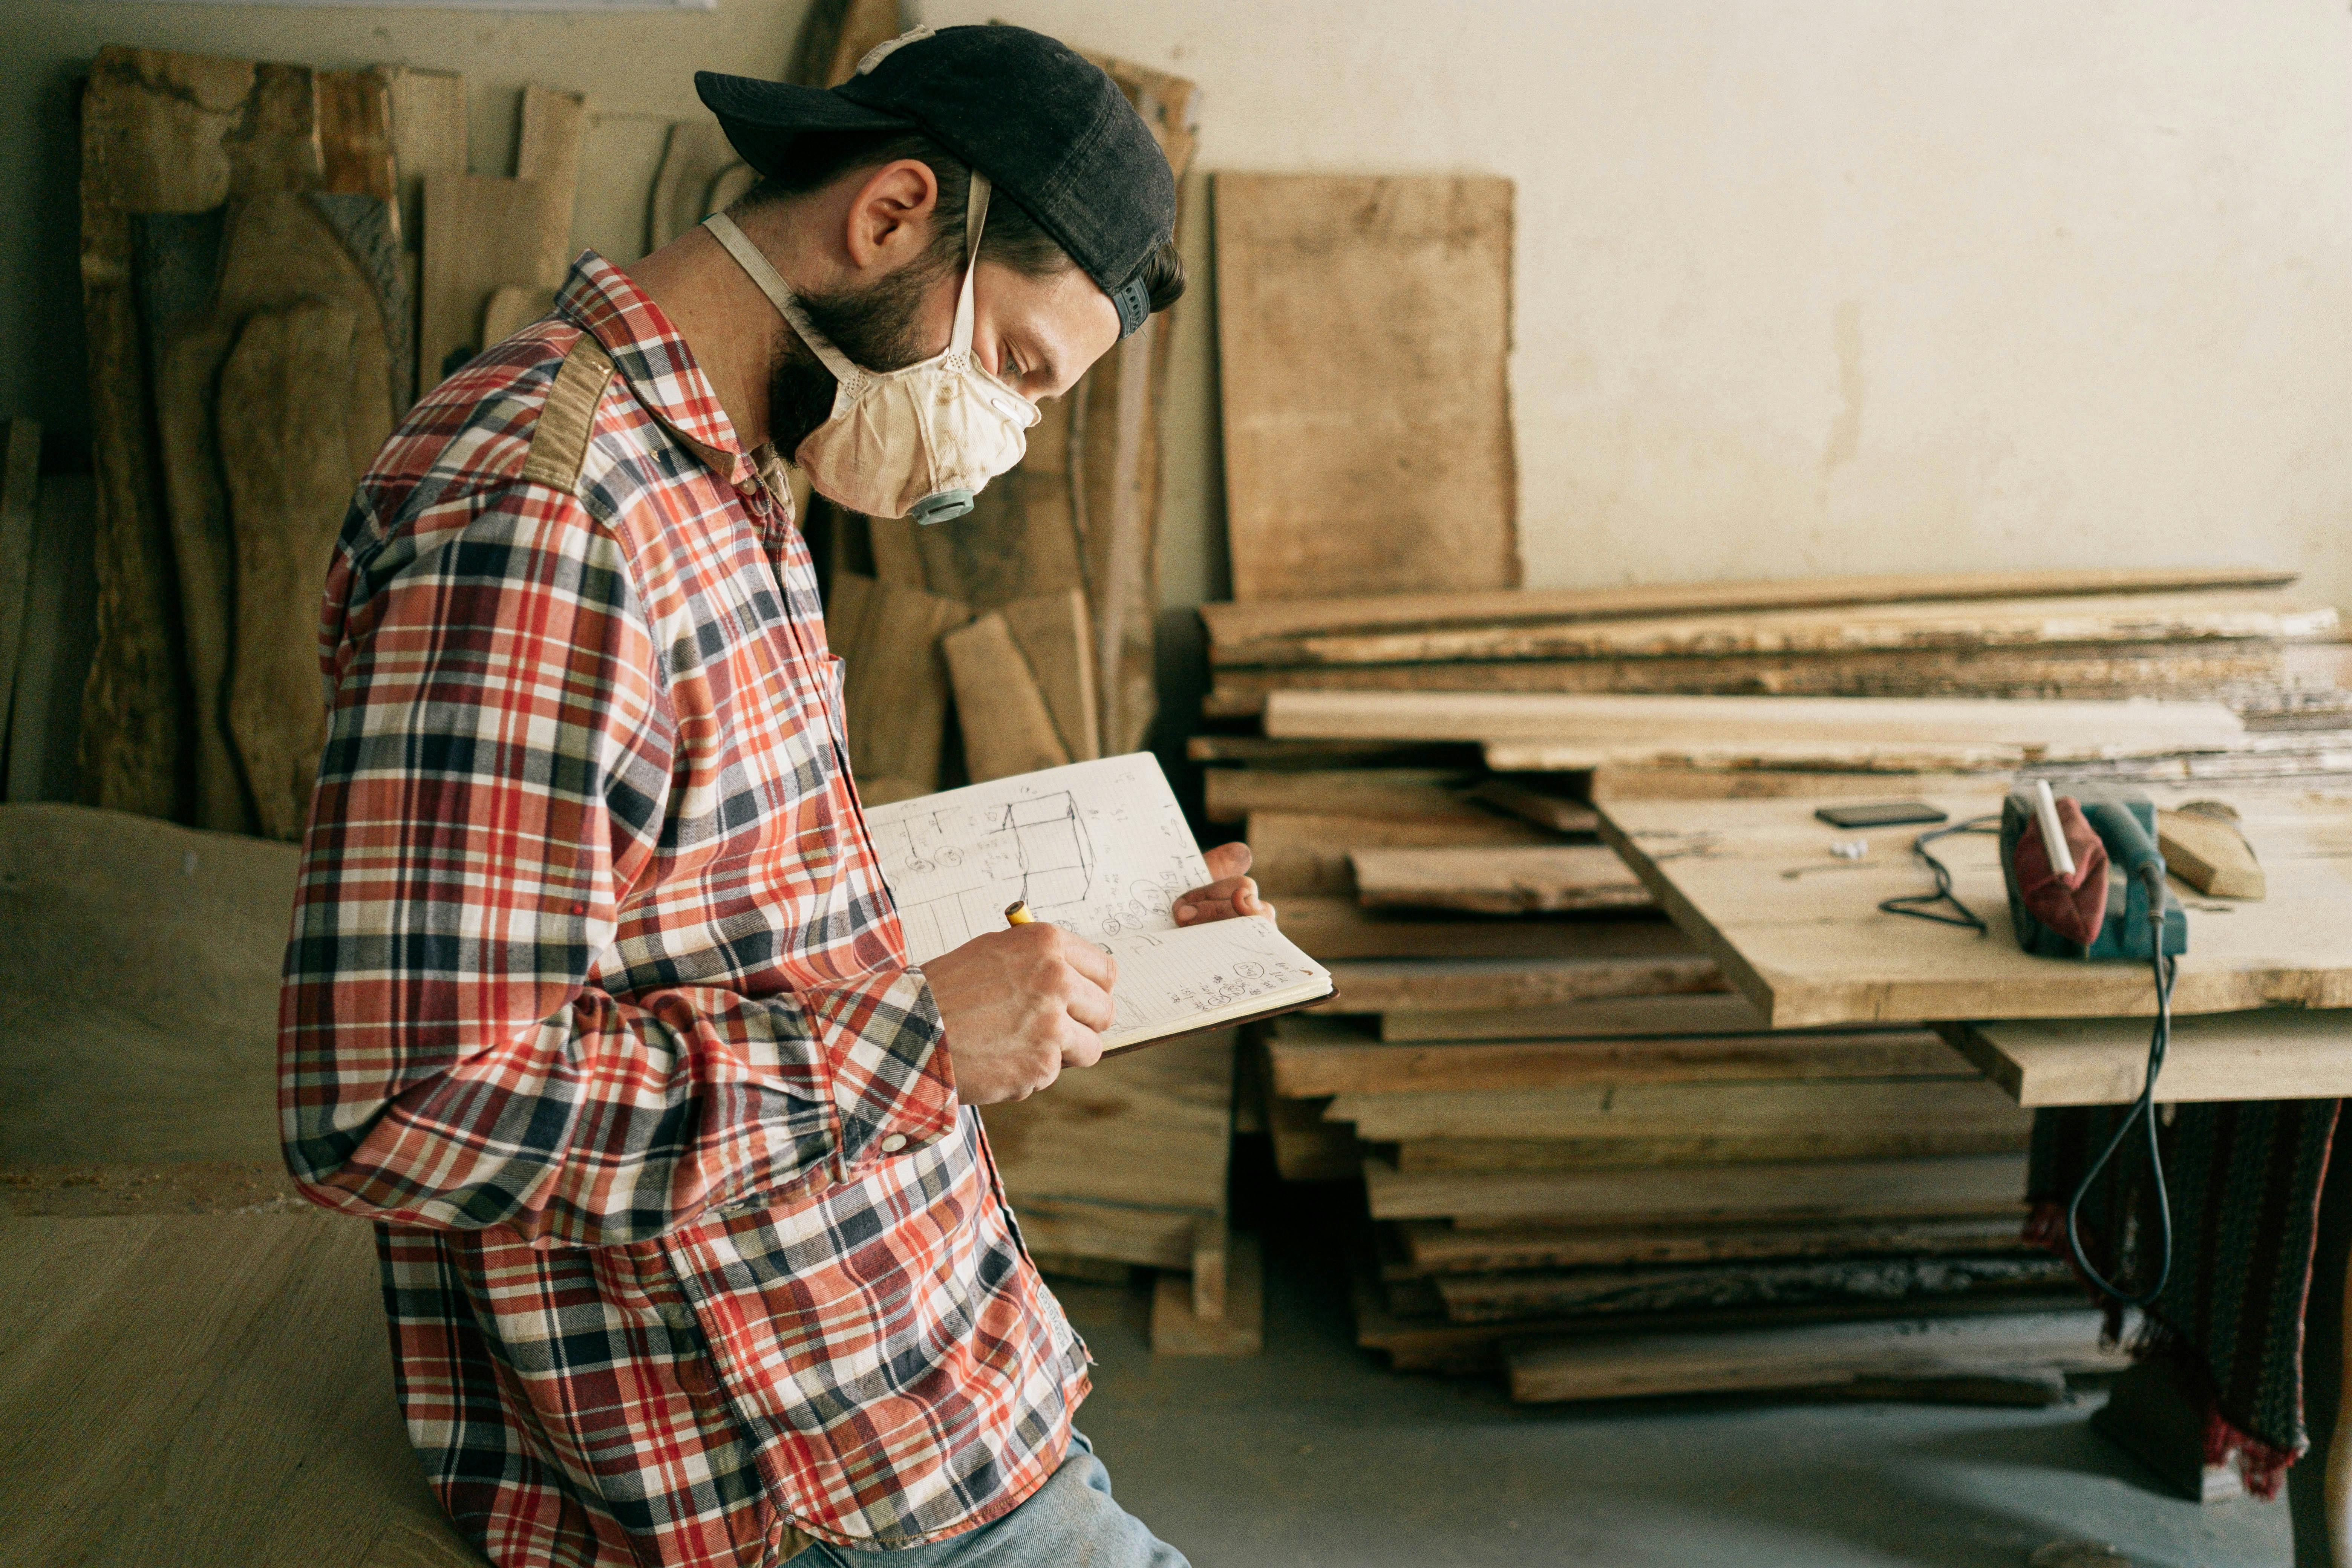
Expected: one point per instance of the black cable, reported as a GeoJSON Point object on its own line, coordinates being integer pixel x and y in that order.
{"type": "Point", "coordinates": [1922, 905]}
{"type": "Point", "coordinates": [2142, 1110]}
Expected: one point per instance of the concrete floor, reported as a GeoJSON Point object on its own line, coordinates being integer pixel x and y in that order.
{"type": "Point", "coordinates": [1314, 1454]}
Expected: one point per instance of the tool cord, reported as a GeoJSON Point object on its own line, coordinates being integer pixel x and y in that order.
{"type": "Point", "coordinates": [1922, 905]}
{"type": "Point", "coordinates": [2143, 1111]}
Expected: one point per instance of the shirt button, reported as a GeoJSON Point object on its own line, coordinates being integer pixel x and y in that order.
{"type": "Point", "coordinates": [746, 490]}
{"type": "Point", "coordinates": [893, 1143]}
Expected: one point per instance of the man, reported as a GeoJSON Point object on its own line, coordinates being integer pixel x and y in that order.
{"type": "Point", "coordinates": [595, 1001]}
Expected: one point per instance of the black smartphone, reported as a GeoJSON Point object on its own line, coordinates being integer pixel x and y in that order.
{"type": "Point", "coordinates": [1880, 813]}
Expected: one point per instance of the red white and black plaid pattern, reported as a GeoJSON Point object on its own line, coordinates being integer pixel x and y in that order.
{"type": "Point", "coordinates": [596, 1002]}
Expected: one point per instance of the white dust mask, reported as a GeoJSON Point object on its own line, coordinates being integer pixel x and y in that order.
{"type": "Point", "coordinates": [918, 442]}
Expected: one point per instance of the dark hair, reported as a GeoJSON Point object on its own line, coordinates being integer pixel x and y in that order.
{"type": "Point", "coordinates": [1011, 237]}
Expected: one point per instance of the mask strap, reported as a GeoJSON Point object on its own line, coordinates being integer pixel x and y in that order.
{"type": "Point", "coordinates": [780, 294]}
{"type": "Point", "coordinates": [975, 220]}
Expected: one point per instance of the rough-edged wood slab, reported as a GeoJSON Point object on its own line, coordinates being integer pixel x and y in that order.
{"type": "Point", "coordinates": [1307, 851]}
{"type": "Point", "coordinates": [1322, 1056]}
{"type": "Point", "coordinates": [700, 173]}
{"type": "Point", "coordinates": [2279, 1053]}
{"type": "Point", "coordinates": [1007, 727]}
{"type": "Point", "coordinates": [1364, 333]}
{"type": "Point", "coordinates": [1056, 637]}
{"type": "Point", "coordinates": [1148, 1128]}
{"type": "Point", "coordinates": [895, 680]}
{"type": "Point", "coordinates": [1936, 1349]}
{"type": "Point", "coordinates": [1866, 1141]}
{"type": "Point", "coordinates": [1433, 1248]}
{"type": "Point", "coordinates": [1718, 1013]}
{"type": "Point", "coordinates": [1529, 879]}
{"type": "Point", "coordinates": [203, 1390]}
{"type": "Point", "coordinates": [1330, 928]}
{"type": "Point", "coordinates": [552, 129]}
{"type": "Point", "coordinates": [1523, 798]}
{"type": "Point", "coordinates": [1921, 1283]}
{"type": "Point", "coordinates": [482, 233]}
{"type": "Point", "coordinates": [1986, 1185]}
{"type": "Point", "coordinates": [1633, 959]}
{"type": "Point", "coordinates": [1412, 794]}
{"type": "Point", "coordinates": [1268, 632]}
{"type": "Point", "coordinates": [20, 488]}
{"type": "Point", "coordinates": [1816, 949]}
{"type": "Point", "coordinates": [1826, 1109]}
{"type": "Point", "coordinates": [2206, 850]}
{"type": "Point", "coordinates": [1179, 1328]}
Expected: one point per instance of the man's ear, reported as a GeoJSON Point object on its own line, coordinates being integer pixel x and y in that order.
{"type": "Point", "coordinates": [890, 222]}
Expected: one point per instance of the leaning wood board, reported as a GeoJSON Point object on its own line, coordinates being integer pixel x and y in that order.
{"type": "Point", "coordinates": [2273, 1054]}
{"type": "Point", "coordinates": [1268, 631]}
{"type": "Point", "coordinates": [1826, 1190]}
{"type": "Point", "coordinates": [1815, 948]}
{"type": "Point", "coordinates": [1811, 1356]}
{"type": "Point", "coordinates": [204, 1390]}
{"type": "Point", "coordinates": [1364, 340]}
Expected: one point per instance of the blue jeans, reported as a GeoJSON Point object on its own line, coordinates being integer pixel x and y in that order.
{"type": "Point", "coordinates": [1069, 1522]}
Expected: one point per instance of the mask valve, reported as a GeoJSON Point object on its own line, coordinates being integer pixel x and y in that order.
{"type": "Point", "coordinates": [942, 506]}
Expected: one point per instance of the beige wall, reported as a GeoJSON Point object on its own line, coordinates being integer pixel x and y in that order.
{"type": "Point", "coordinates": [1816, 286]}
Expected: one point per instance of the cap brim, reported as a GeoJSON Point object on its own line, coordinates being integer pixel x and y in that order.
{"type": "Point", "coordinates": [785, 106]}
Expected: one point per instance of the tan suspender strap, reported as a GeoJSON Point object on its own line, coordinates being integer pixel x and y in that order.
{"type": "Point", "coordinates": [559, 444]}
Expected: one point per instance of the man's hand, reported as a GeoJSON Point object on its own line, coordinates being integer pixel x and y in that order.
{"type": "Point", "coordinates": [1019, 1006]}
{"type": "Point", "coordinates": [1231, 894]}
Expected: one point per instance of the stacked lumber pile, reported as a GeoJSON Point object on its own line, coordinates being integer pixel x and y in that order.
{"type": "Point", "coordinates": [1584, 1158]}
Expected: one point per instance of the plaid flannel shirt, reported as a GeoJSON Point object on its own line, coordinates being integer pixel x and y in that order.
{"type": "Point", "coordinates": [596, 1003]}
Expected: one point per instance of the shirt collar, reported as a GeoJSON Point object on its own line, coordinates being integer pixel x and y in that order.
{"type": "Point", "coordinates": [648, 350]}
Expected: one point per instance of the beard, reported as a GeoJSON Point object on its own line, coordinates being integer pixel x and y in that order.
{"type": "Point", "coordinates": [879, 327]}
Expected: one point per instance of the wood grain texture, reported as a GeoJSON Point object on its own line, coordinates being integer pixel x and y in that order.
{"type": "Point", "coordinates": [1919, 1284]}
{"type": "Point", "coordinates": [1307, 852]}
{"type": "Point", "coordinates": [1859, 1142]}
{"type": "Point", "coordinates": [1529, 879]}
{"type": "Point", "coordinates": [1056, 637]}
{"type": "Point", "coordinates": [1431, 1247]}
{"type": "Point", "coordinates": [1179, 1328]}
{"type": "Point", "coordinates": [1321, 1056]}
{"type": "Point", "coordinates": [552, 129]}
{"type": "Point", "coordinates": [1270, 632]}
{"type": "Point", "coordinates": [303, 409]}
{"type": "Point", "coordinates": [482, 233]}
{"type": "Point", "coordinates": [2273, 1054]}
{"type": "Point", "coordinates": [1409, 793]}
{"type": "Point", "coordinates": [20, 489]}
{"type": "Point", "coordinates": [1811, 1356]}
{"type": "Point", "coordinates": [1330, 928]}
{"type": "Point", "coordinates": [512, 306]}
{"type": "Point", "coordinates": [1591, 1112]}
{"type": "Point", "coordinates": [700, 173]}
{"type": "Point", "coordinates": [1007, 727]}
{"type": "Point", "coordinates": [1120, 1233]}
{"type": "Point", "coordinates": [2248, 669]}
{"type": "Point", "coordinates": [2208, 853]}
{"type": "Point", "coordinates": [1147, 1128]}
{"type": "Point", "coordinates": [1717, 1014]}
{"type": "Point", "coordinates": [835, 35]}
{"type": "Point", "coordinates": [204, 1390]}
{"type": "Point", "coordinates": [1979, 1185]}
{"type": "Point", "coordinates": [895, 680]}
{"type": "Point", "coordinates": [1817, 949]}
{"type": "Point", "coordinates": [1363, 334]}
{"type": "Point", "coordinates": [1667, 967]}
{"type": "Point", "coordinates": [204, 545]}
{"type": "Point", "coordinates": [1523, 798]}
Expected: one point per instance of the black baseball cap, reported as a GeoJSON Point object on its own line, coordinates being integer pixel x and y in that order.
{"type": "Point", "coordinates": [1048, 127]}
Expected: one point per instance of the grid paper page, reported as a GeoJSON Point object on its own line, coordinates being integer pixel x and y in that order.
{"type": "Point", "coordinates": [1099, 848]}
{"type": "Point", "coordinates": [1170, 981]}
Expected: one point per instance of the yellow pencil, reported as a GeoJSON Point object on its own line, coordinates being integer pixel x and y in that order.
{"type": "Point", "coordinates": [1017, 912]}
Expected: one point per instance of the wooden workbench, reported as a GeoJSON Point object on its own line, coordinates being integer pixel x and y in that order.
{"type": "Point", "coordinates": [1800, 933]}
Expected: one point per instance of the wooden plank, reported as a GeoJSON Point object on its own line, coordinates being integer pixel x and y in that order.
{"type": "Point", "coordinates": [1433, 1248]}
{"type": "Point", "coordinates": [1604, 785]}
{"type": "Point", "coordinates": [1841, 735]}
{"type": "Point", "coordinates": [2210, 854]}
{"type": "Point", "coordinates": [1529, 879]}
{"type": "Point", "coordinates": [1985, 1184]}
{"type": "Point", "coordinates": [2266, 757]}
{"type": "Point", "coordinates": [895, 680]}
{"type": "Point", "coordinates": [430, 134]}
{"type": "Point", "coordinates": [1056, 641]}
{"type": "Point", "coordinates": [1864, 1142]}
{"type": "Point", "coordinates": [204, 543]}
{"type": "Point", "coordinates": [835, 35]}
{"type": "Point", "coordinates": [1377, 985]}
{"type": "Point", "coordinates": [2274, 1054]}
{"type": "Point", "coordinates": [482, 233]}
{"type": "Point", "coordinates": [1263, 632]}
{"type": "Point", "coordinates": [512, 306]}
{"type": "Point", "coordinates": [1919, 1283]}
{"type": "Point", "coordinates": [1525, 798]}
{"type": "Point", "coordinates": [1810, 1356]}
{"type": "Point", "coordinates": [700, 173]}
{"type": "Point", "coordinates": [1150, 1238]}
{"type": "Point", "coordinates": [1330, 928]}
{"type": "Point", "coordinates": [1145, 1129]}
{"type": "Point", "coordinates": [1717, 1013]}
{"type": "Point", "coordinates": [1337, 1061]}
{"type": "Point", "coordinates": [553, 129]}
{"type": "Point", "coordinates": [1407, 793]}
{"type": "Point", "coordinates": [1794, 1111]}
{"type": "Point", "coordinates": [60, 631]}
{"type": "Point", "coordinates": [1179, 1328]}
{"type": "Point", "coordinates": [205, 1389]}
{"type": "Point", "coordinates": [20, 489]}
{"type": "Point", "coordinates": [1007, 727]}
{"type": "Point", "coordinates": [1363, 335]}
{"type": "Point", "coordinates": [1307, 852]}
{"type": "Point", "coordinates": [1909, 628]}
{"type": "Point", "coordinates": [2235, 672]}
{"type": "Point", "coordinates": [1258, 752]}
{"type": "Point", "coordinates": [1817, 949]}
{"type": "Point", "coordinates": [303, 409]}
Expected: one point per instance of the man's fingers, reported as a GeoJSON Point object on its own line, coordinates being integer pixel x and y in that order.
{"type": "Point", "coordinates": [1090, 1005]}
{"type": "Point", "coordinates": [1081, 1047]}
{"type": "Point", "coordinates": [1219, 901]}
{"type": "Point", "coordinates": [1227, 860]}
{"type": "Point", "coordinates": [1088, 959]}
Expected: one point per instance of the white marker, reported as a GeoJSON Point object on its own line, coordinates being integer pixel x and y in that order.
{"type": "Point", "coordinates": [2054, 836]}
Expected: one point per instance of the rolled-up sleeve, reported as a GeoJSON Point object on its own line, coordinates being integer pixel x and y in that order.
{"type": "Point", "coordinates": [497, 772]}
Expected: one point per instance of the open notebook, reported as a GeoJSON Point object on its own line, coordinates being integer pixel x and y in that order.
{"type": "Point", "coordinates": [1101, 849]}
